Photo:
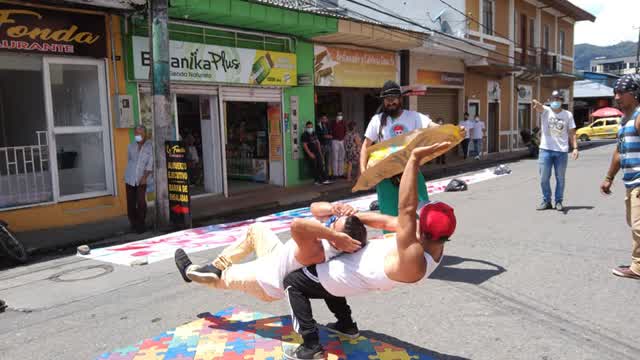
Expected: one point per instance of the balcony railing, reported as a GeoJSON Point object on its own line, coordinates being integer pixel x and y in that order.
{"type": "Point", "coordinates": [539, 61]}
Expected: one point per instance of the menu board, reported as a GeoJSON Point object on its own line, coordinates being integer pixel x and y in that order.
{"type": "Point", "coordinates": [178, 184]}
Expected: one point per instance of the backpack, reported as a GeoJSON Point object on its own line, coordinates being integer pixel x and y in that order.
{"type": "Point", "coordinates": [456, 185]}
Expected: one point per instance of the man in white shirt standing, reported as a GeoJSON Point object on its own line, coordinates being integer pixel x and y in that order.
{"type": "Point", "coordinates": [477, 135]}
{"type": "Point", "coordinates": [557, 127]}
{"type": "Point", "coordinates": [467, 124]}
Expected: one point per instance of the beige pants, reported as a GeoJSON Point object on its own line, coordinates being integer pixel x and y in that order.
{"type": "Point", "coordinates": [632, 203]}
{"type": "Point", "coordinates": [242, 277]}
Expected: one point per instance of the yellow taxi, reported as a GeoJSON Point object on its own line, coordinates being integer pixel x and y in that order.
{"type": "Point", "coordinates": [603, 128]}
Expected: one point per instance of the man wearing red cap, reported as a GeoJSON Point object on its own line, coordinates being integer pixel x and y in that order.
{"type": "Point", "coordinates": [406, 257]}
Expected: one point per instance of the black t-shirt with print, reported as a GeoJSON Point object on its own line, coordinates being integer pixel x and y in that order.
{"type": "Point", "coordinates": [312, 142]}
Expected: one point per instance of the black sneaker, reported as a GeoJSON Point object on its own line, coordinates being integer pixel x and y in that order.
{"type": "Point", "coordinates": [348, 330]}
{"type": "Point", "coordinates": [544, 206]}
{"type": "Point", "coordinates": [302, 352]}
{"type": "Point", "coordinates": [182, 262]}
{"type": "Point", "coordinates": [207, 271]}
{"type": "Point", "coordinates": [559, 206]}
{"type": "Point", "coordinates": [3, 306]}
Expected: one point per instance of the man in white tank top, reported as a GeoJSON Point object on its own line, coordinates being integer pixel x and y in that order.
{"type": "Point", "coordinates": [312, 242]}
{"type": "Point", "coordinates": [411, 255]}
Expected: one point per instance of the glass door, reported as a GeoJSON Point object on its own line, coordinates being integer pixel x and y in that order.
{"type": "Point", "coordinates": [78, 118]}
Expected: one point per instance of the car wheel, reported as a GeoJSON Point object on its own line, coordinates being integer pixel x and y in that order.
{"type": "Point", "coordinates": [584, 137]}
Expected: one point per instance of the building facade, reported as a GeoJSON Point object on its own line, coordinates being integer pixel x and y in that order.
{"type": "Point", "coordinates": [616, 66]}
{"type": "Point", "coordinates": [61, 76]}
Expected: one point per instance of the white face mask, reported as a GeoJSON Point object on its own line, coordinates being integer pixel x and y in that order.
{"type": "Point", "coordinates": [339, 118]}
{"type": "Point", "coordinates": [138, 138]}
{"type": "Point", "coordinates": [309, 130]}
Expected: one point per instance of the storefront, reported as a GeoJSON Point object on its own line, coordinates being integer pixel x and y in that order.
{"type": "Point", "coordinates": [227, 106]}
{"type": "Point", "coordinates": [348, 80]}
{"type": "Point", "coordinates": [55, 126]}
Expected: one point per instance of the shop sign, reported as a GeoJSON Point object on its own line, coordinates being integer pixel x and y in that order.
{"type": "Point", "coordinates": [178, 184]}
{"type": "Point", "coordinates": [39, 30]}
{"type": "Point", "coordinates": [345, 67]}
{"type": "Point", "coordinates": [275, 132]}
{"type": "Point", "coordinates": [439, 78]}
{"type": "Point", "coordinates": [493, 91]}
{"type": "Point", "coordinates": [196, 62]}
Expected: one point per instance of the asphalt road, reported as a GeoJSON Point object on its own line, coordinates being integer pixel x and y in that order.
{"type": "Point", "coordinates": [515, 284]}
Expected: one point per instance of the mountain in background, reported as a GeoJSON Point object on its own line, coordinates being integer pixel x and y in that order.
{"type": "Point", "coordinates": [584, 53]}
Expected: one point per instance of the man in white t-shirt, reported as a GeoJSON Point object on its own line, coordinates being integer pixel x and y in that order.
{"type": "Point", "coordinates": [557, 128]}
{"type": "Point", "coordinates": [467, 124]}
{"type": "Point", "coordinates": [477, 130]}
{"type": "Point", "coordinates": [406, 257]}
{"type": "Point", "coordinates": [393, 121]}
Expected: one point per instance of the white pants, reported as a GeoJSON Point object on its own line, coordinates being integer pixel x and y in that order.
{"type": "Point", "coordinates": [337, 149]}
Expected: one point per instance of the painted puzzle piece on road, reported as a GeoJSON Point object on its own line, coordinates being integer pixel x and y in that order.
{"type": "Point", "coordinates": [214, 236]}
{"type": "Point", "coordinates": [235, 333]}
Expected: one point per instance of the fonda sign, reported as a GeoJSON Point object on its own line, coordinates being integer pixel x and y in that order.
{"type": "Point", "coordinates": [40, 30]}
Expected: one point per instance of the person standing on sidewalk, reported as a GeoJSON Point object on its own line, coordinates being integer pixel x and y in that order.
{"type": "Point", "coordinates": [467, 135]}
{"type": "Point", "coordinates": [626, 156]}
{"type": "Point", "coordinates": [312, 149]}
{"type": "Point", "coordinates": [558, 127]}
{"type": "Point", "coordinates": [338, 131]}
{"type": "Point", "coordinates": [137, 174]}
{"type": "Point", "coordinates": [477, 130]}
{"type": "Point", "coordinates": [393, 121]}
{"type": "Point", "coordinates": [323, 132]}
{"type": "Point", "coordinates": [352, 143]}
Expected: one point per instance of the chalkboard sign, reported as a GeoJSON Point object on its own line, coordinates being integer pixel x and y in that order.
{"type": "Point", "coordinates": [178, 184]}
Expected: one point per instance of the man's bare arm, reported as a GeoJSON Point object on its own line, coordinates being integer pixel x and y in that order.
{"type": "Point", "coordinates": [379, 221]}
{"type": "Point", "coordinates": [307, 232]}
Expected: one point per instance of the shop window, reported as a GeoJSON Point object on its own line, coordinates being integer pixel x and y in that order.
{"type": "Point", "coordinates": [54, 139]}
{"type": "Point", "coordinates": [79, 118]}
{"type": "Point", "coordinates": [25, 169]}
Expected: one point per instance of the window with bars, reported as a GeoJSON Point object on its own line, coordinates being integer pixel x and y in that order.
{"type": "Point", "coordinates": [488, 11]}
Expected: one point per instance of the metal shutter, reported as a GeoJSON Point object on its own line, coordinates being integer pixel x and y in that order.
{"type": "Point", "coordinates": [253, 94]}
{"type": "Point", "coordinates": [440, 103]}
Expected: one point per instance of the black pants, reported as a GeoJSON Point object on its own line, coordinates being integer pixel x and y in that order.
{"type": "Point", "coordinates": [137, 206]}
{"type": "Point", "coordinates": [299, 288]}
{"type": "Point", "coordinates": [317, 167]}
{"type": "Point", "coordinates": [465, 147]}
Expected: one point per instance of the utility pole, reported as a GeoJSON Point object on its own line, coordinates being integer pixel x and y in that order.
{"type": "Point", "coordinates": [160, 89]}
{"type": "Point", "coordinates": [638, 52]}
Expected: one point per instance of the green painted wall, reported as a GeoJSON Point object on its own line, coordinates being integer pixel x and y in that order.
{"type": "Point", "coordinates": [297, 171]}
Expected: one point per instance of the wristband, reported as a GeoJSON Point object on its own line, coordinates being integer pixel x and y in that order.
{"type": "Point", "coordinates": [608, 178]}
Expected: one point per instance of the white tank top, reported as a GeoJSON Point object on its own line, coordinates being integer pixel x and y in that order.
{"type": "Point", "coordinates": [272, 268]}
{"type": "Point", "coordinates": [363, 271]}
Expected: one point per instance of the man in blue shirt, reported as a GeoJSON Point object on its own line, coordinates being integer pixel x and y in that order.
{"type": "Point", "coordinates": [626, 156]}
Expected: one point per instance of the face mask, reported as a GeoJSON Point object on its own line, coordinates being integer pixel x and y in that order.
{"type": "Point", "coordinates": [339, 118]}
{"type": "Point", "coordinates": [555, 105]}
{"type": "Point", "coordinates": [138, 138]}
{"type": "Point", "coordinates": [309, 130]}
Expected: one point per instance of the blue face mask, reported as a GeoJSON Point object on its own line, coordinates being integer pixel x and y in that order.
{"type": "Point", "coordinates": [555, 105]}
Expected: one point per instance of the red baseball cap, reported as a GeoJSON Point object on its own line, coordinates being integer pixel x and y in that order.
{"type": "Point", "coordinates": [437, 220]}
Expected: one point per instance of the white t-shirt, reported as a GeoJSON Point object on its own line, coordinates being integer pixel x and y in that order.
{"type": "Point", "coordinates": [477, 129]}
{"type": "Point", "coordinates": [271, 269]}
{"type": "Point", "coordinates": [407, 122]}
{"type": "Point", "coordinates": [555, 129]}
{"type": "Point", "coordinates": [468, 126]}
{"type": "Point", "coordinates": [363, 271]}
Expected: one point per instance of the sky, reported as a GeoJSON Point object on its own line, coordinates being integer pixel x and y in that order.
{"type": "Point", "coordinates": [615, 22]}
